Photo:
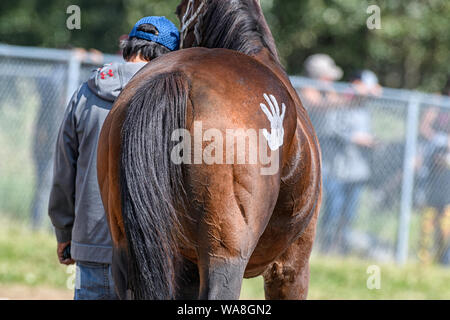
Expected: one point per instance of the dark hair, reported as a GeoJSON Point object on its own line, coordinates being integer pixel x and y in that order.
{"type": "Point", "coordinates": [147, 50]}
{"type": "Point", "coordinates": [235, 25]}
{"type": "Point", "coordinates": [356, 75]}
{"type": "Point", "coordinates": [446, 90]}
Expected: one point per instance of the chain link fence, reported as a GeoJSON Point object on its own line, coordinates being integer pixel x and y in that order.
{"type": "Point", "coordinates": [386, 157]}
{"type": "Point", "coordinates": [35, 87]}
{"type": "Point", "coordinates": [386, 171]}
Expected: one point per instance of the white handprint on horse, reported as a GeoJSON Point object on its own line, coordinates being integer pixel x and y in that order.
{"type": "Point", "coordinates": [275, 138]}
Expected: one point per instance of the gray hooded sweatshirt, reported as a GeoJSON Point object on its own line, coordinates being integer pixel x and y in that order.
{"type": "Point", "coordinates": [75, 207]}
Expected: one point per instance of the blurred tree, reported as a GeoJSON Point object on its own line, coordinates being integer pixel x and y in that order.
{"type": "Point", "coordinates": [43, 23]}
{"type": "Point", "coordinates": [411, 50]}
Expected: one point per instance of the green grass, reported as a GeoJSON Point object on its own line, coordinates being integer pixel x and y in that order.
{"type": "Point", "coordinates": [17, 131]}
{"type": "Point", "coordinates": [338, 278]}
{"type": "Point", "coordinates": [29, 258]}
{"type": "Point", "coordinates": [347, 278]}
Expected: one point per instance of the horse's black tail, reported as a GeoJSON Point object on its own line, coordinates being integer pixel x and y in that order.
{"type": "Point", "coordinates": [152, 186]}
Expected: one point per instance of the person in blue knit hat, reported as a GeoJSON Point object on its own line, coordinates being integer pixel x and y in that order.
{"type": "Point", "coordinates": [75, 206]}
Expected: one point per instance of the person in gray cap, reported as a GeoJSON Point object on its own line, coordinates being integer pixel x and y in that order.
{"type": "Point", "coordinates": [348, 144]}
{"type": "Point", "coordinates": [322, 67]}
{"type": "Point", "coordinates": [75, 207]}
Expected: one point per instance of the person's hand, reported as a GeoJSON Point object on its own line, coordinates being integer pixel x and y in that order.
{"type": "Point", "coordinates": [312, 96]}
{"type": "Point", "coordinates": [96, 56]}
{"type": "Point", "coordinates": [364, 140]}
{"type": "Point", "coordinates": [60, 250]}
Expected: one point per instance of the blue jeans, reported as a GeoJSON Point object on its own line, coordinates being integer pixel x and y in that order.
{"type": "Point", "coordinates": [94, 282]}
{"type": "Point", "coordinates": [341, 203]}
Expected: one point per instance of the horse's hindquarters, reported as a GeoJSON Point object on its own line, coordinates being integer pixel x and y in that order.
{"type": "Point", "coordinates": [237, 146]}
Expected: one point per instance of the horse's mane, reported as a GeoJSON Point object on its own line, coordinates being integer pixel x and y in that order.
{"type": "Point", "coordinates": [236, 25]}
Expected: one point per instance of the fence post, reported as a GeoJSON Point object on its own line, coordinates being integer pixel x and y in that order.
{"type": "Point", "coordinates": [73, 75]}
{"type": "Point", "coordinates": [408, 178]}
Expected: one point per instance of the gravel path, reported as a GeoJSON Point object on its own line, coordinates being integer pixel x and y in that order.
{"type": "Point", "coordinates": [16, 292]}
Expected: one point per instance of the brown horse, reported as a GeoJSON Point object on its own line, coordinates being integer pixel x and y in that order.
{"type": "Point", "coordinates": [195, 228]}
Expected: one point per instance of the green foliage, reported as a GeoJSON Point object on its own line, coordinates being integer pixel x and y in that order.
{"type": "Point", "coordinates": [410, 51]}
{"type": "Point", "coordinates": [346, 278]}
{"type": "Point", "coordinates": [29, 258]}
{"type": "Point", "coordinates": [43, 22]}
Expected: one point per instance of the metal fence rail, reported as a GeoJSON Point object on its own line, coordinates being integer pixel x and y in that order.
{"type": "Point", "coordinates": [384, 201]}
{"type": "Point", "coordinates": [396, 117]}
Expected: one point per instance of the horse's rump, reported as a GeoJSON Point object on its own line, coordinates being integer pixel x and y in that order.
{"type": "Point", "coordinates": [229, 204]}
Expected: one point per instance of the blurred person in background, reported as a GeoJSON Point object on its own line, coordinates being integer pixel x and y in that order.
{"type": "Point", "coordinates": [76, 208]}
{"type": "Point", "coordinates": [321, 67]}
{"type": "Point", "coordinates": [434, 173]}
{"type": "Point", "coordinates": [346, 160]}
{"type": "Point", "coordinates": [318, 101]}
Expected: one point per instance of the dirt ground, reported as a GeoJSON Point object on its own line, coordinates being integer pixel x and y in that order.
{"type": "Point", "coordinates": [17, 292]}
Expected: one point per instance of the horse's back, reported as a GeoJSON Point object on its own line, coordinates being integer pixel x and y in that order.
{"type": "Point", "coordinates": [220, 80]}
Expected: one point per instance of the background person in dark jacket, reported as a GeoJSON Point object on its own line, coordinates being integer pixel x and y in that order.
{"type": "Point", "coordinates": [434, 175]}
{"type": "Point", "coordinates": [75, 208]}
{"type": "Point", "coordinates": [348, 131]}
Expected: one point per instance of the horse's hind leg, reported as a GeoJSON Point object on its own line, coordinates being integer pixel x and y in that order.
{"type": "Point", "coordinates": [236, 205]}
{"type": "Point", "coordinates": [188, 280]}
{"type": "Point", "coordinates": [221, 278]}
{"type": "Point", "coordinates": [288, 277]}
{"type": "Point", "coordinates": [223, 254]}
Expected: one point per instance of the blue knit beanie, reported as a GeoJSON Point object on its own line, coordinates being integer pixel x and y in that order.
{"type": "Point", "coordinates": [168, 36]}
